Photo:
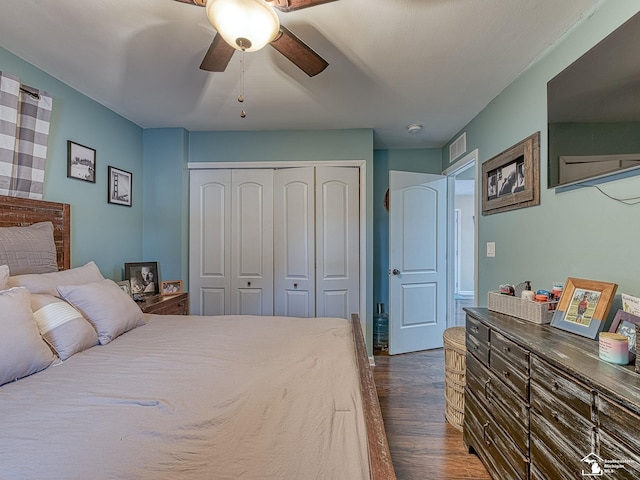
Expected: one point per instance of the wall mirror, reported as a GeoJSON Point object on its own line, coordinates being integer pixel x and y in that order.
{"type": "Point", "coordinates": [594, 111]}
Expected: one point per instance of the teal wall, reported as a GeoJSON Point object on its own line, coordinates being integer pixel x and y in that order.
{"type": "Point", "coordinates": [105, 233]}
{"type": "Point", "coordinates": [580, 233]}
{"type": "Point", "coordinates": [407, 160]}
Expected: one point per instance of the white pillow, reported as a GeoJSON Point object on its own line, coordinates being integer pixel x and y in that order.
{"type": "Point", "coordinates": [48, 282]}
{"type": "Point", "coordinates": [62, 326]}
{"type": "Point", "coordinates": [111, 311]}
{"type": "Point", "coordinates": [22, 350]}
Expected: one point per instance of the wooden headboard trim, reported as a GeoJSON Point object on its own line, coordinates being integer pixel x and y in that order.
{"type": "Point", "coordinates": [21, 212]}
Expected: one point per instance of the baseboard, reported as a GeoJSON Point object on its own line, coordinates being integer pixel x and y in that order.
{"type": "Point", "coordinates": [372, 361]}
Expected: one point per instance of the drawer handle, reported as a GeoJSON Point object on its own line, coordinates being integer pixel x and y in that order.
{"type": "Point", "coordinates": [506, 349]}
{"type": "Point", "coordinates": [474, 329]}
{"type": "Point", "coordinates": [486, 390]}
{"type": "Point", "coordinates": [505, 373]}
{"type": "Point", "coordinates": [485, 435]}
{"type": "Point", "coordinates": [555, 416]}
{"type": "Point", "coordinates": [556, 386]}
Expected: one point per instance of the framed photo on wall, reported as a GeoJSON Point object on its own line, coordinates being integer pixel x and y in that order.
{"type": "Point", "coordinates": [143, 277]}
{"type": "Point", "coordinates": [119, 191]}
{"type": "Point", "coordinates": [584, 306]}
{"type": "Point", "coordinates": [81, 162]}
{"type": "Point", "coordinates": [511, 179]}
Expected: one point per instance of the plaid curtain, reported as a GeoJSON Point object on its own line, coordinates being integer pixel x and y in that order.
{"type": "Point", "coordinates": [25, 114]}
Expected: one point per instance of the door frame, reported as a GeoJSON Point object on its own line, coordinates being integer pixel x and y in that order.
{"type": "Point", "coordinates": [361, 165]}
{"type": "Point", "coordinates": [450, 173]}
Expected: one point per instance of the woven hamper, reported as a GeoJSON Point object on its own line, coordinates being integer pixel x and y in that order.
{"type": "Point", "coordinates": [454, 374]}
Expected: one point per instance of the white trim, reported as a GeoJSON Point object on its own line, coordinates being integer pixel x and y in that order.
{"type": "Point", "coordinates": [361, 164]}
{"type": "Point", "coordinates": [450, 172]}
{"type": "Point", "coordinates": [276, 164]}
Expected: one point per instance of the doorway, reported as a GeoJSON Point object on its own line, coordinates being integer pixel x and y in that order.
{"type": "Point", "coordinates": [463, 232]}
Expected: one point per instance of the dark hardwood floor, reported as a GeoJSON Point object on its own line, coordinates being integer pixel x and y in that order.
{"type": "Point", "coordinates": [423, 444]}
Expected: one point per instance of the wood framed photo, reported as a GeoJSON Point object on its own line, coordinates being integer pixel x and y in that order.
{"type": "Point", "coordinates": [143, 277]}
{"type": "Point", "coordinates": [511, 179]}
{"type": "Point", "coordinates": [120, 183]}
{"type": "Point", "coordinates": [171, 287]}
{"type": "Point", "coordinates": [81, 162]}
{"type": "Point", "coordinates": [625, 323]}
{"type": "Point", "coordinates": [584, 306]}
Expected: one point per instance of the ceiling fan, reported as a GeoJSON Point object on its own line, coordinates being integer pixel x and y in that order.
{"type": "Point", "coordinates": [283, 40]}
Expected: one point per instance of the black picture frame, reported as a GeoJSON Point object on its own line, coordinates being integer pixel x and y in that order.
{"type": "Point", "coordinates": [120, 186]}
{"type": "Point", "coordinates": [81, 162]}
{"type": "Point", "coordinates": [144, 277]}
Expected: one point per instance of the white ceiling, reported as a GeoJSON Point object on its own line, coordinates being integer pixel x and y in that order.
{"type": "Point", "coordinates": [391, 62]}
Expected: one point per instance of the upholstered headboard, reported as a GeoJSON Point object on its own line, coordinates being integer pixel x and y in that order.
{"type": "Point", "coordinates": [22, 212]}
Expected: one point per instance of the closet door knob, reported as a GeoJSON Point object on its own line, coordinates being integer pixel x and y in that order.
{"type": "Point", "coordinates": [248, 284]}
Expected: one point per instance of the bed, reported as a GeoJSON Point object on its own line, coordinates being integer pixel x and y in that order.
{"type": "Point", "coordinates": [184, 397]}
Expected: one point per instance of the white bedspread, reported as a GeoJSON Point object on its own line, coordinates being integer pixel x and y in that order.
{"type": "Point", "coordinates": [193, 398]}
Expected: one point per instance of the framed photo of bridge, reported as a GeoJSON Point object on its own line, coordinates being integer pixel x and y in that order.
{"type": "Point", "coordinates": [119, 186]}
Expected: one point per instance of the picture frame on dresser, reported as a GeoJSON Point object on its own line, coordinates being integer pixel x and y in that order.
{"type": "Point", "coordinates": [144, 277]}
{"type": "Point", "coordinates": [584, 306]}
{"type": "Point", "coordinates": [125, 286]}
{"type": "Point", "coordinates": [625, 324]}
{"type": "Point", "coordinates": [171, 287]}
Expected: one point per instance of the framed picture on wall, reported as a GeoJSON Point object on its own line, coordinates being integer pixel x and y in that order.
{"type": "Point", "coordinates": [511, 179]}
{"type": "Point", "coordinates": [81, 162]}
{"type": "Point", "coordinates": [119, 191]}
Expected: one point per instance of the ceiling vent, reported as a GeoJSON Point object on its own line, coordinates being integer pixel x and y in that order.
{"type": "Point", "coordinates": [458, 147]}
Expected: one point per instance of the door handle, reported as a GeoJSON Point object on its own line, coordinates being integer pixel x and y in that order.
{"type": "Point", "coordinates": [395, 271]}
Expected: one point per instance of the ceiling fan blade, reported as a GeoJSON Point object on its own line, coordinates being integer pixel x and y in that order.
{"type": "Point", "coordinates": [291, 5]}
{"type": "Point", "coordinates": [217, 57]}
{"type": "Point", "coordinates": [299, 53]}
{"type": "Point", "coordinates": [198, 3]}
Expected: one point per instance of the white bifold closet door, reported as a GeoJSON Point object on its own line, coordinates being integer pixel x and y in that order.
{"type": "Point", "coordinates": [283, 242]}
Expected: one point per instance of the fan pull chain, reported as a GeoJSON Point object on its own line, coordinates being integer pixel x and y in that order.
{"type": "Point", "coordinates": [243, 114]}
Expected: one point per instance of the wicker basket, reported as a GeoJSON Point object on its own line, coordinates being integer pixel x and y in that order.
{"type": "Point", "coordinates": [455, 364]}
{"type": "Point", "coordinates": [536, 312]}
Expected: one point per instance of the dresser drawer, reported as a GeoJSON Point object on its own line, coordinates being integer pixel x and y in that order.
{"type": "Point", "coordinates": [510, 372]}
{"type": "Point", "coordinates": [565, 403]}
{"type": "Point", "coordinates": [553, 458]}
{"type": "Point", "coordinates": [477, 340]}
{"type": "Point", "coordinates": [508, 409]}
{"type": "Point", "coordinates": [618, 421]}
{"type": "Point", "coordinates": [623, 462]}
{"type": "Point", "coordinates": [496, 449]}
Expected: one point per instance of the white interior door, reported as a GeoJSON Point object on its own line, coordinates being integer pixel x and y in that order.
{"type": "Point", "coordinates": [294, 242]}
{"type": "Point", "coordinates": [252, 242]}
{"type": "Point", "coordinates": [210, 235]}
{"type": "Point", "coordinates": [337, 241]}
{"type": "Point", "coordinates": [417, 261]}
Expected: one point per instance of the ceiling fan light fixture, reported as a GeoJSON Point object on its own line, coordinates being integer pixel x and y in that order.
{"type": "Point", "coordinates": [246, 25]}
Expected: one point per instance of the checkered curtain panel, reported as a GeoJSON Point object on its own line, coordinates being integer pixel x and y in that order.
{"type": "Point", "coordinates": [24, 129]}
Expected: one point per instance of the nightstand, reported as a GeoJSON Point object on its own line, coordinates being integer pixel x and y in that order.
{"type": "Point", "coordinates": [166, 304]}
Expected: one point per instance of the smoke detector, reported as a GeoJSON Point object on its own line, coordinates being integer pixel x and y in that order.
{"type": "Point", "coordinates": [414, 128]}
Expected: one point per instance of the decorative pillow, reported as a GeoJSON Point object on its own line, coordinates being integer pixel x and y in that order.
{"type": "Point", "coordinates": [109, 309]}
{"type": "Point", "coordinates": [62, 326]}
{"type": "Point", "coordinates": [22, 350]}
{"type": "Point", "coordinates": [4, 276]}
{"type": "Point", "coordinates": [28, 249]}
{"type": "Point", "coordinates": [49, 282]}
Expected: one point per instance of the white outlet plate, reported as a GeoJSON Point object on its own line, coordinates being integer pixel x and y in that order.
{"type": "Point", "coordinates": [491, 249]}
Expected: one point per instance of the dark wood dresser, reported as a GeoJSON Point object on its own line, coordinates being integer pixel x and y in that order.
{"type": "Point", "coordinates": [540, 404]}
{"type": "Point", "coordinates": [166, 305]}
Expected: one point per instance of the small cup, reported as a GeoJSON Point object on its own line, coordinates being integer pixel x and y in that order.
{"type": "Point", "coordinates": [528, 295]}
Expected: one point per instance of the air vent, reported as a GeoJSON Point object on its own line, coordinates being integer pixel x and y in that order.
{"type": "Point", "coordinates": [458, 147]}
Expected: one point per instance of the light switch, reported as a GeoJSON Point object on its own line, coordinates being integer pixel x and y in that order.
{"type": "Point", "coordinates": [491, 249]}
